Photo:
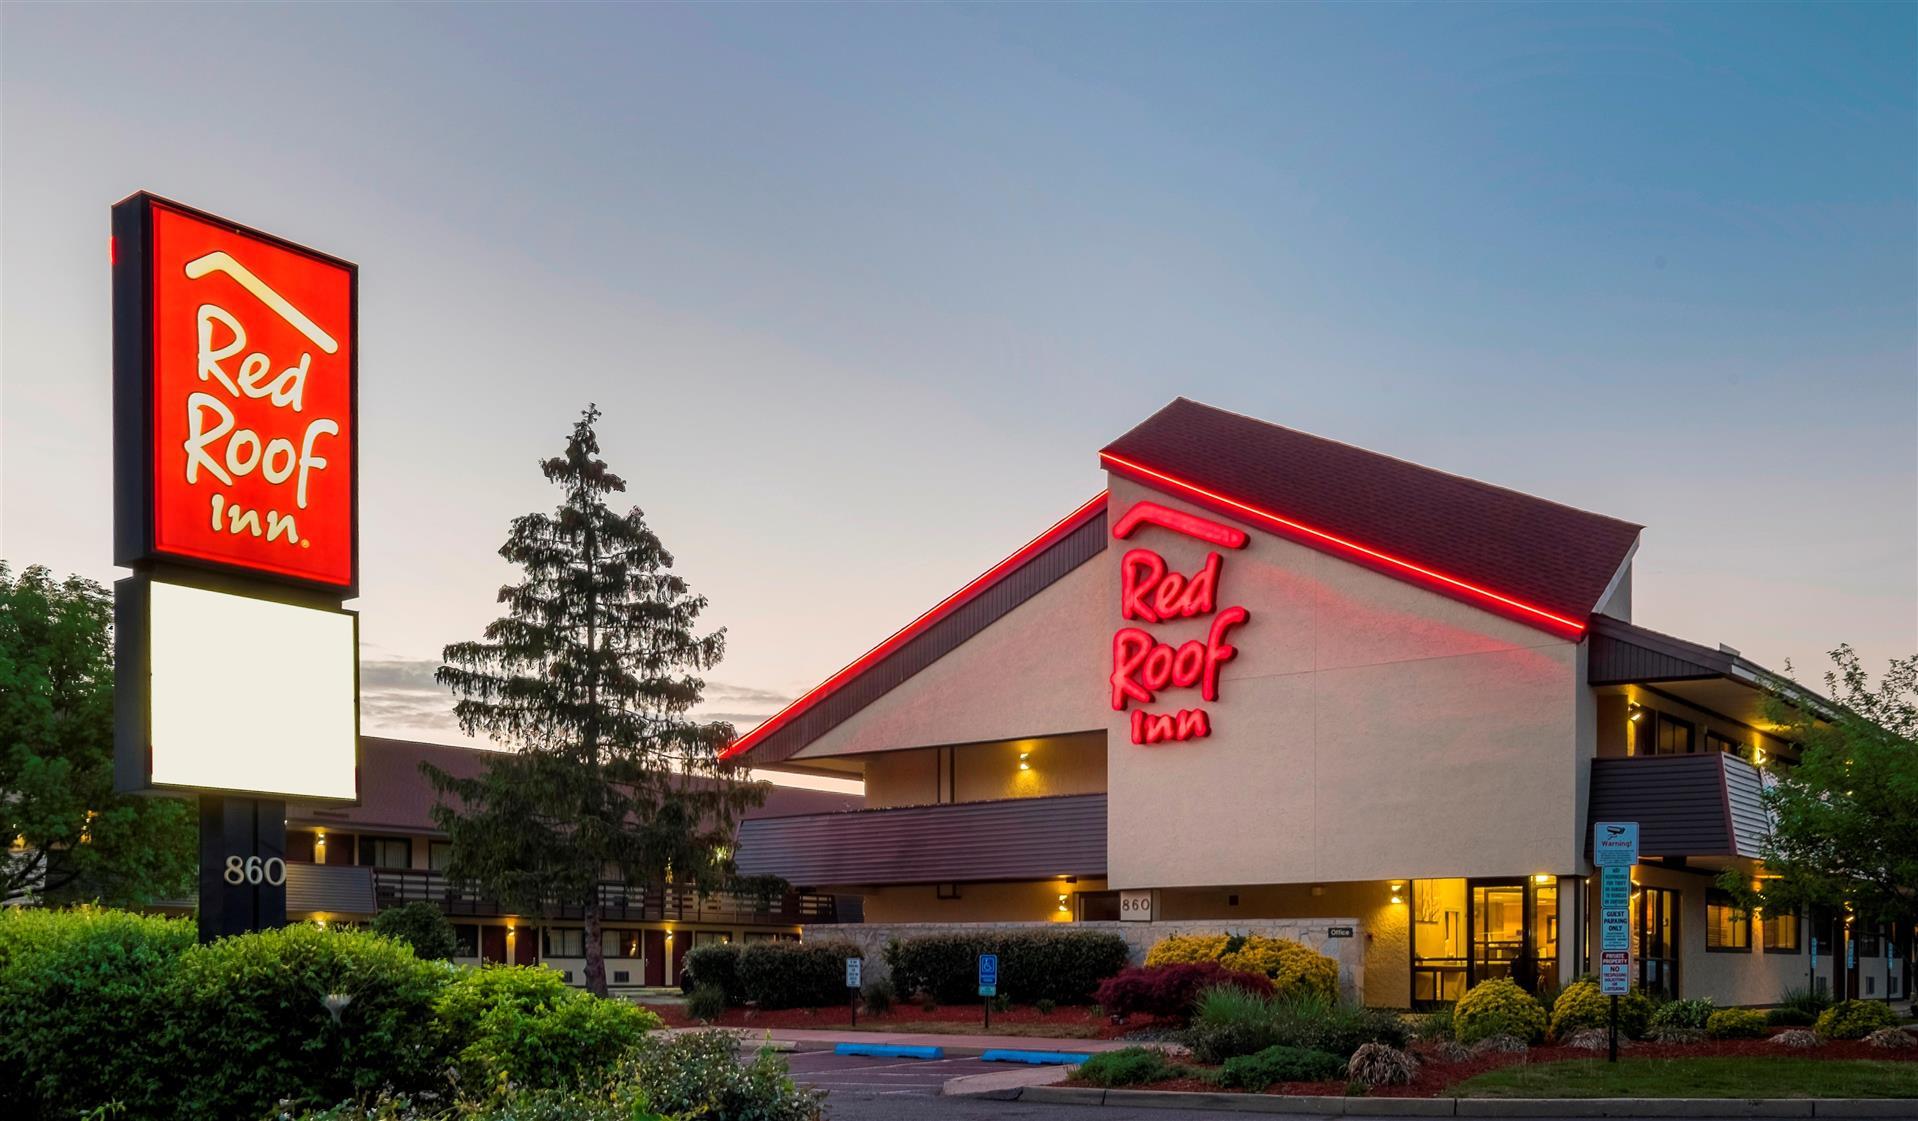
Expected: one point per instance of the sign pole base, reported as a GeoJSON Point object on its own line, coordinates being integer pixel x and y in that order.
{"type": "Point", "coordinates": [1614, 1043]}
{"type": "Point", "coordinates": [242, 865]}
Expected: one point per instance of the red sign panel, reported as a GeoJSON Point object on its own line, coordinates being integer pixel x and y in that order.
{"type": "Point", "coordinates": [245, 383]}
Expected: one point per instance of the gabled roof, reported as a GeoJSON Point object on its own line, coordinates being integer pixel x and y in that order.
{"type": "Point", "coordinates": [1538, 561]}
{"type": "Point", "coordinates": [990, 596]}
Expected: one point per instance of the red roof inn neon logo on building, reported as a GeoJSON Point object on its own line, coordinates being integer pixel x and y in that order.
{"type": "Point", "coordinates": [1151, 592]}
{"type": "Point", "coordinates": [249, 389]}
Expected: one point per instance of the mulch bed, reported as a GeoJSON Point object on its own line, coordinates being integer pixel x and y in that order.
{"type": "Point", "coordinates": [904, 1017]}
{"type": "Point", "coordinates": [1435, 1077]}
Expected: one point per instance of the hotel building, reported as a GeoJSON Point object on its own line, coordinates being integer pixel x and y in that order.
{"type": "Point", "coordinates": [1267, 681]}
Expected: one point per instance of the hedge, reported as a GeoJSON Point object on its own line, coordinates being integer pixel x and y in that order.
{"type": "Point", "coordinates": [103, 1007]}
{"type": "Point", "coordinates": [1293, 967]}
{"type": "Point", "coordinates": [1063, 966]}
{"type": "Point", "coordinates": [795, 974]}
{"type": "Point", "coordinates": [1735, 1023]}
{"type": "Point", "coordinates": [717, 966]}
{"type": "Point", "coordinates": [81, 995]}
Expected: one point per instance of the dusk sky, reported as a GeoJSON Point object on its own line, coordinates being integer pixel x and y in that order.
{"type": "Point", "coordinates": [863, 290]}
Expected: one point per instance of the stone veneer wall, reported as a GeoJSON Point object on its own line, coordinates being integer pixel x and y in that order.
{"type": "Point", "coordinates": [1348, 952]}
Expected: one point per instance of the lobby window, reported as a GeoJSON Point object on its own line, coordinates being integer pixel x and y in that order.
{"type": "Point", "coordinates": [466, 940]}
{"type": "Point", "coordinates": [1728, 927]}
{"type": "Point", "coordinates": [439, 855]}
{"type": "Point", "coordinates": [1438, 940]}
{"type": "Point", "coordinates": [565, 942]}
{"type": "Point", "coordinates": [1780, 928]}
{"type": "Point", "coordinates": [386, 852]}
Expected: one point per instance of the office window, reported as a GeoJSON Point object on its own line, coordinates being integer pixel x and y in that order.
{"type": "Point", "coordinates": [1780, 931]}
{"type": "Point", "coordinates": [386, 852]}
{"type": "Point", "coordinates": [620, 943]}
{"type": "Point", "coordinates": [466, 939]}
{"type": "Point", "coordinates": [439, 855]}
{"type": "Point", "coordinates": [565, 942]}
{"type": "Point", "coordinates": [1728, 928]}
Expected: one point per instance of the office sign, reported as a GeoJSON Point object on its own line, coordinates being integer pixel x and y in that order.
{"type": "Point", "coordinates": [1338, 932]}
{"type": "Point", "coordinates": [235, 380]}
{"type": "Point", "coordinates": [1615, 844]}
{"type": "Point", "coordinates": [988, 974]}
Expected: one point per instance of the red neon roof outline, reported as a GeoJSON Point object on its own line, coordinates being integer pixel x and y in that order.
{"type": "Point", "coordinates": [1387, 559]}
{"type": "Point", "coordinates": [911, 630]}
{"type": "Point", "coordinates": [1178, 521]}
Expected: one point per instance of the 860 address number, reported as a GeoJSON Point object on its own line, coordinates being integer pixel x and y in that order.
{"type": "Point", "coordinates": [253, 870]}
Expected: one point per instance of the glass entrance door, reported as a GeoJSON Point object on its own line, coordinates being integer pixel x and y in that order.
{"type": "Point", "coordinates": [1515, 930]}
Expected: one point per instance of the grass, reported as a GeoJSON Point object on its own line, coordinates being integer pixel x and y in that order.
{"type": "Point", "coordinates": [1738, 1077]}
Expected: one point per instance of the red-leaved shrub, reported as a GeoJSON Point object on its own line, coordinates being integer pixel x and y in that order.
{"type": "Point", "coordinates": [1170, 990]}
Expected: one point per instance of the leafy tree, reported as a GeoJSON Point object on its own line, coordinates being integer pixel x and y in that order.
{"type": "Point", "coordinates": [1847, 813]}
{"type": "Point", "coordinates": [421, 926]}
{"type": "Point", "coordinates": [588, 677]}
{"type": "Point", "coordinates": [77, 839]}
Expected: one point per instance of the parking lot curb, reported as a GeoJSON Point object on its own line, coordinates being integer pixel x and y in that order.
{"type": "Point", "coordinates": [1663, 1108]}
{"type": "Point", "coordinates": [1003, 1085]}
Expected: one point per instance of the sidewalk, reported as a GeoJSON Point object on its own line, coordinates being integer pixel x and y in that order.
{"type": "Point", "coordinates": [954, 1046]}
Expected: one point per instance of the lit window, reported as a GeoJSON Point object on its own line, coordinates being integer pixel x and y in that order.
{"type": "Point", "coordinates": [1781, 931]}
{"type": "Point", "coordinates": [1728, 927]}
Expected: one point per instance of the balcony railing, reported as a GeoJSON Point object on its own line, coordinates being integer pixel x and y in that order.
{"type": "Point", "coordinates": [621, 902]}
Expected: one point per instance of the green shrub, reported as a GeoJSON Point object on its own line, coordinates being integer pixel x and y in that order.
{"type": "Point", "coordinates": [1580, 1005]}
{"type": "Point", "coordinates": [1498, 1007]}
{"type": "Point", "coordinates": [706, 1003]}
{"type": "Point", "coordinates": [1313, 1023]}
{"type": "Point", "coordinates": [421, 926]}
{"type": "Point", "coordinates": [1279, 1064]}
{"type": "Point", "coordinates": [1803, 1005]}
{"type": "Point", "coordinates": [1063, 966]}
{"type": "Point", "coordinates": [1045, 1006]}
{"type": "Point", "coordinates": [1293, 967]}
{"type": "Point", "coordinates": [1379, 1064]}
{"type": "Point", "coordinates": [1229, 1022]}
{"type": "Point", "coordinates": [1129, 1066]}
{"type": "Point", "coordinates": [1735, 1023]}
{"type": "Point", "coordinates": [1854, 1019]}
{"type": "Point", "coordinates": [82, 994]}
{"type": "Point", "coordinates": [878, 996]}
{"type": "Point", "coordinates": [698, 1074]}
{"type": "Point", "coordinates": [1681, 1015]}
{"type": "Point", "coordinates": [1434, 1025]}
{"type": "Point", "coordinates": [795, 974]}
{"type": "Point", "coordinates": [717, 965]}
{"type": "Point", "coordinates": [525, 1023]}
{"type": "Point", "coordinates": [254, 1025]}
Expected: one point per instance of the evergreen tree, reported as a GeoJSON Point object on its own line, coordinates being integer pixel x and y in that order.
{"type": "Point", "coordinates": [589, 677]}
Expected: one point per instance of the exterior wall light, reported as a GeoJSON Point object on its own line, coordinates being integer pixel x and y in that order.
{"type": "Point", "coordinates": [1062, 904]}
{"type": "Point", "coordinates": [1637, 710]}
{"type": "Point", "coordinates": [1024, 760]}
{"type": "Point", "coordinates": [1398, 891]}
{"type": "Point", "coordinates": [1543, 878]}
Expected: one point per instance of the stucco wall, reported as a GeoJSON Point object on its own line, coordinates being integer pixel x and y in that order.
{"type": "Point", "coordinates": [1035, 672]}
{"type": "Point", "coordinates": [1348, 952]}
{"type": "Point", "coordinates": [1730, 978]}
{"type": "Point", "coordinates": [1367, 730]}
{"type": "Point", "coordinates": [1028, 901]}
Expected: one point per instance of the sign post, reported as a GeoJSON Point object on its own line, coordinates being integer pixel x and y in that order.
{"type": "Point", "coordinates": [1614, 850]}
{"type": "Point", "coordinates": [236, 505]}
{"type": "Point", "coordinates": [853, 966]}
{"type": "Point", "coordinates": [988, 983]}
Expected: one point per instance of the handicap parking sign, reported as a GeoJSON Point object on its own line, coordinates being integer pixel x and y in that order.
{"type": "Point", "coordinates": [988, 974]}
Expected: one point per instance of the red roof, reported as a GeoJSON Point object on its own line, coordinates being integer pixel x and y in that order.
{"type": "Point", "coordinates": [395, 795]}
{"type": "Point", "coordinates": [1539, 561]}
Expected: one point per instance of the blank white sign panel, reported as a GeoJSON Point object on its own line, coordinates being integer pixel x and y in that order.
{"type": "Point", "coordinates": [252, 695]}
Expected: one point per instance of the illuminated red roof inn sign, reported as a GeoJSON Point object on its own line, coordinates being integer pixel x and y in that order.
{"type": "Point", "coordinates": [236, 373]}
{"type": "Point", "coordinates": [1153, 593]}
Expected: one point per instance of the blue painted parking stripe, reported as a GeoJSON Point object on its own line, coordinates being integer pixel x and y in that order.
{"type": "Point", "coordinates": [888, 1051]}
{"type": "Point", "coordinates": [1035, 1057]}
